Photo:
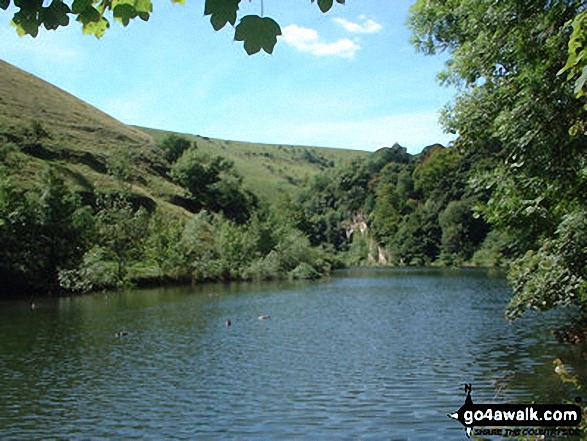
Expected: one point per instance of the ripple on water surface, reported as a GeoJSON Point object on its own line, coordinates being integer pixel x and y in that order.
{"type": "Point", "coordinates": [371, 355]}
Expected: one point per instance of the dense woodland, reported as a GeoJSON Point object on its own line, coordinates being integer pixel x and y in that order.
{"type": "Point", "coordinates": [511, 191]}
{"type": "Point", "coordinates": [54, 240]}
{"type": "Point", "coordinates": [391, 208]}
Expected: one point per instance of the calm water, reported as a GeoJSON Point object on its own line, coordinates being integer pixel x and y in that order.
{"type": "Point", "coordinates": [371, 354]}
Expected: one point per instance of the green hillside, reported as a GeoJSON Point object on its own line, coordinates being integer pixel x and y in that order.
{"type": "Point", "coordinates": [270, 170]}
{"type": "Point", "coordinates": [43, 126]}
{"type": "Point", "coordinates": [152, 206]}
{"type": "Point", "coordinates": [87, 202]}
{"type": "Point", "coordinates": [54, 128]}
{"type": "Point", "coordinates": [24, 97]}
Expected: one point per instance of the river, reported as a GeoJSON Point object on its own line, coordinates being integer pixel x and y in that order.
{"type": "Point", "coordinates": [364, 354]}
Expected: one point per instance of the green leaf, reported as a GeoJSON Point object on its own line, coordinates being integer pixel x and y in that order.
{"type": "Point", "coordinates": [580, 83]}
{"type": "Point", "coordinates": [25, 27]}
{"type": "Point", "coordinates": [124, 13]}
{"type": "Point", "coordinates": [89, 15]}
{"type": "Point", "coordinates": [27, 20]}
{"type": "Point", "coordinates": [257, 33]}
{"type": "Point", "coordinates": [97, 28]}
{"type": "Point", "coordinates": [325, 5]}
{"type": "Point", "coordinates": [55, 15]}
{"type": "Point", "coordinates": [29, 5]}
{"type": "Point", "coordinates": [221, 12]}
{"type": "Point", "coordinates": [4, 4]}
{"type": "Point", "coordinates": [144, 9]}
{"type": "Point", "coordinates": [219, 20]}
{"type": "Point", "coordinates": [143, 6]}
{"type": "Point", "coordinates": [126, 10]}
{"type": "Point", "coordinates": [79, 6]}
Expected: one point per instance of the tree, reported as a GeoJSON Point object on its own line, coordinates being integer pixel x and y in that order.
{"type": "Point", "coordinates": [198, 245]}
{"type": "Point", "coordinates": [436, 172]}
{"type": "Point", "coordinates": [386, 214]}
{"type": "Point", "coordinates": [256, 32]}
{"type": "Point", "coordinates": [214, 185]}
{"type": "Point", "coordinates": [173, 147]}
{"type": "Point", "coordinates": [121, 229]}
{"type": "Point", "coordinates": [505, 58]}
{"type": "Point", "coordinates": [417, 241]}
{"type": "Point", "coordinates": [119, 166]}
{"type": "Point", "coordinates": [163, 244]}
{"type": "Point", "coordinates": [577, 54]}
{"type": "Point", "coordinates": [576, 66]}
{"type": "Point", "coordinates": [41, 233]}
{"type": "Point", "coordinates": [556, 273]}
{"type": "Point", "coordinates": [462, 233]}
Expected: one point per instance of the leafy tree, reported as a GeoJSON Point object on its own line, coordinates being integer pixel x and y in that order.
{"type": "Point", "coordinates": [198, 245]}
{"type": "Point", "coordinates": [556, 273]}
{"type": "Point", "coordinates": [62, 221]}
{"type": "Point", "coordinates": [436, 173]}
{"type": "Point", "coordinates": [505, 58]}
{"type": "Point", "coordinates": [417, 241]}
{"type": "Point", "coordinates": [17, 220]}
{"type": "Point", "coordinates": [462, 232]}
{"type": "Point", "coordinates": [163, 245]}
{"type": "Point", "coordinates": [229, 198]}
{"type": "Point", "coordinates": [359, 250]}
{"type": "Point", "coordinates": [121, 229]}
{"type": "Point", "coordinates": [387, 213]}
{"type": "Point", "coordinates": [404, 186]}
{"type": "Point", "coordinates": [120, 166]}
{"type": "Point", "coordinates": [289, 212]}
{"type": "Point", "coordinates": [41, 233]}
{"type": "Point", "coordinates": [235, 246]}
{"type": "Point", "coordinates": [173, 147]}
{"type": "Point", "coordinates": [256, 32]}
{"type": "Point", "coordinates": [197, 172]}
{"type": "Point", "coordinates": [214, 185]}
{"type": "Point", "coordinates": [577, 57]}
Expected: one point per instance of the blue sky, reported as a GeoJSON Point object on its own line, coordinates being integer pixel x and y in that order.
{"type": "Point", "coordinates": [346, 79]}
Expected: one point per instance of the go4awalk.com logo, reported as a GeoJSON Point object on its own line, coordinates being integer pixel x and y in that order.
{"type": "Point", "coordinates": [552, 419]}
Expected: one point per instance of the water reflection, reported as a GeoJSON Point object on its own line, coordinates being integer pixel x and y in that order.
{"type": "Point", "coordinates": [368, 353]}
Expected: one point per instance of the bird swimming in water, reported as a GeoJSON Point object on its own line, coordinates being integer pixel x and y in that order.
{"type": "Point", "coordinates": [264, 317]}
{"type": "Point", "coordinates": [121, 333]}
{"type": "Point", "coordinates": [228, 323]}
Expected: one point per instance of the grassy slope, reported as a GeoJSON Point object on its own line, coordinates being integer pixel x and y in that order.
{"type": "Point", "coordinates": [74, 122]}
{"type": "Point", "coordinates": [270, 170]}
{"type": "Point", "coordinates": [82, 139]}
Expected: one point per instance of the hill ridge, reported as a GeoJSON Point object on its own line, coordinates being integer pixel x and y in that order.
{"type": "Point", "coordinates": [22, 93]}
{"type": "Point", "coordinates": [82, 139]}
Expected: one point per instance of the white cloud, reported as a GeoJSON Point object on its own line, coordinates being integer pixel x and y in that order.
{"type": "Point", "coordinates": [308, 40]}
{"type": "Point", "coordinates": [367, 26]}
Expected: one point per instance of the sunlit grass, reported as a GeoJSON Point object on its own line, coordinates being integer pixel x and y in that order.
{"type": "Point", "coordinates": [82, 140]}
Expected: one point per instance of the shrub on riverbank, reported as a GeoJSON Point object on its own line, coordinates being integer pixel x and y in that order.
{"type": "Point", "coordinates": [207, 247]}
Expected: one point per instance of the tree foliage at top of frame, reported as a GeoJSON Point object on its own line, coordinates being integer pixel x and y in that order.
{"type": "Point", "coordinates": [256, 32]}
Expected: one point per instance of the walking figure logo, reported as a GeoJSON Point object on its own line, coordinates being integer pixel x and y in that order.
{"type": "Point", "coordinates": [459, 414]}
{"type": "Point", "coordinates": [557, 419]}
